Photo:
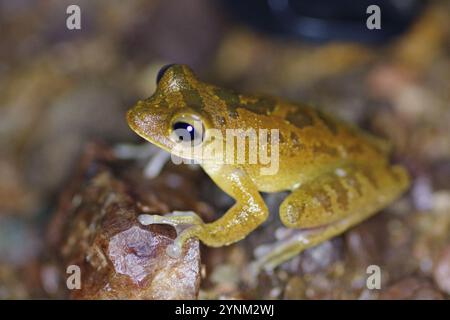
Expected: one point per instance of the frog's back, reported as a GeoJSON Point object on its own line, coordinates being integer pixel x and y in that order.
{"type": "Point", "coordinates": [320, 136]}
{"type": "Point", "coordinates": [310, 141]}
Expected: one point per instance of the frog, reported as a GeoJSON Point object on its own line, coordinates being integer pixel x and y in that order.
{"type": "Point", "coordinates": [336, 174]}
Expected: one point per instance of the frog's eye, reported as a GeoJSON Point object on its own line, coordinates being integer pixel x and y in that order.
{"type": "Point", "coordinates": [190, 131]}
{"type": "Point", "coordinates": [162, 71]}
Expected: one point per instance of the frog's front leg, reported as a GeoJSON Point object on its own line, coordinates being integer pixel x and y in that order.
{"type": "Point", "coordinates": [247, 214]}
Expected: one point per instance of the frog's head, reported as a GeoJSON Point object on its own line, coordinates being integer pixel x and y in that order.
{"type": "Point", "coordinates": [175, 112]}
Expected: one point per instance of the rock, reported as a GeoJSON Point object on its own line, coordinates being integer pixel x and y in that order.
{"type": "Point", "coordinates": [321, 256]}
{"type": "Point", "coordinates": [441, 272]}
{"type": "Point", "coordinates": [96, 229]}
{"type": "Point", "coordinates": [295, 289]}
{"type": "Point", "coordinates": [20, 282]}
{"type": "Point", "coordinates": [411, 289]}
{"type": "Point", "coordinates": [365, 242]}
{"type": "Point", "coordinates": [11, 285]}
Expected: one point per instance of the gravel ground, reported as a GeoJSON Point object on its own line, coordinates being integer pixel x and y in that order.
{"type": "Point", "coordinates": [66, 199]}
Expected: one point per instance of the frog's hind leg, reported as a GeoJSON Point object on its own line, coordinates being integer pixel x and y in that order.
{"type": "Point", "coordinates": [330, 204]}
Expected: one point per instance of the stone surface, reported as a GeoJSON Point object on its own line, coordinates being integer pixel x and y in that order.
{"type": "Point", "coordinates": [441, 273]}
{"type": "Point", "coordinates": [411, 288]}
{"type": "Point", "coordinates": [96, 229]}
{"type": "Point", "coordinates": [60, 89]}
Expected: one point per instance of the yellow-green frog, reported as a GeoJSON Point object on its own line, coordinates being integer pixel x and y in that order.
{"type": "Point", "coordinates": [337, 174]}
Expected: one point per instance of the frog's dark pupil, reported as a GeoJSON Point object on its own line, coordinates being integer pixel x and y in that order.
{"type": "Point", "coordinates": [187, 130]}
{"type": "Point", "coordinates": [162, 71]}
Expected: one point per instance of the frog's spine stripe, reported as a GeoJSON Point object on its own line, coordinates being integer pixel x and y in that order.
{"type": "Point", "coordinates": [229, 99]}
{"type": "Point", "coordinates": [259, 105]}
{"type": "Point", "coordinates": [300, 118]}
{"type": "Point", "coordinates": [323, 149]}
{"type": "Point", "coordinates": [193, 99]}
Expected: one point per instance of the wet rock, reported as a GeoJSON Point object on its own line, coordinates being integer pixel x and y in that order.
{"type": "Point", "coordinates": [315, 259]}
{"type": "Point", "coordinates": [320, 257]}
{"type": "Point", "coordinates": [411, 288]}
{"type": "Point", "coordinates": [11, 285]}
{"type": "Point", "coordinates": [364, 243]}
{"type": "Point", "coordinates": [20, 282]}
{"type": "Point", "coordinates": [295, 289]}
{"type": "Point", "coordinates": [96, 229]}
{"type": "Point", "coordinates": [59, 90]}
{"type": "Point", "coordinates": [441, 272]}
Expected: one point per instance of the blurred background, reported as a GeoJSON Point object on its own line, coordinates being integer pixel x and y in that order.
{"type": "Point", "coordinates": [60, 89]}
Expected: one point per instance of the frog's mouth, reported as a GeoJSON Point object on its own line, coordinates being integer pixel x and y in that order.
{"type": "Point", "coordinates": [147, 131]}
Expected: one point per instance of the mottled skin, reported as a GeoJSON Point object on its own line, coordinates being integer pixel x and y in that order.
{"type": "Point", "coordinates": [338, 175]}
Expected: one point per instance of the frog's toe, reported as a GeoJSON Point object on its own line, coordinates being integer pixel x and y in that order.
{"type": "Point", "coordinates": [186, 223]}
{"type": "Point", "coordinates": [147, 219]}
{"type": "Point", "coordinates": [175, 218]}
{"type": "Point", "coordinates": [184, 234]}
{"type": "Point", "coordinates": [174, 251]}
